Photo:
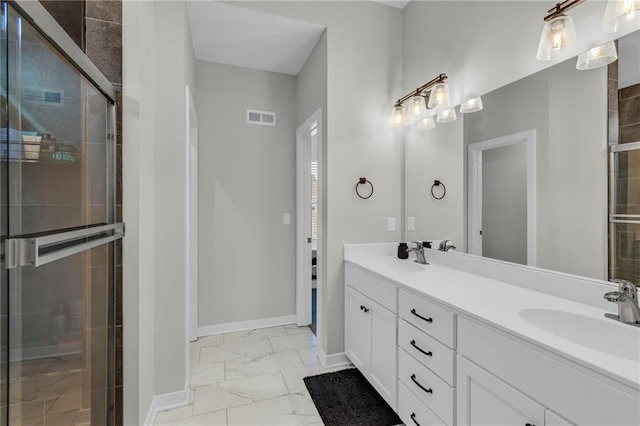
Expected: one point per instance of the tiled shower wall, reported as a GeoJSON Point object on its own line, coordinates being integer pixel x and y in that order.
{"type": "Point", "coordinates": [96, 26]}
{"type": "Point", "coordinates": [624, 127]}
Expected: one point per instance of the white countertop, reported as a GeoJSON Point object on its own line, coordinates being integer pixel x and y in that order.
{"type": "Point", "coordinates": [499, 304]}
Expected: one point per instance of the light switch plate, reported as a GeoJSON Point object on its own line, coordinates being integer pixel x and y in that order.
{"type": "Point", "coordinates": [391, 224]}
{"type": "Point", "coordinates": [411, 223]}
{"type": "Point", "coordinates": [286, 219]}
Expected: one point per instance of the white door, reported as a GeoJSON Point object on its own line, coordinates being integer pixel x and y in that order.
{"type": "Point", "coordinates": [483, 399]}
{"type": "Point", "coordinates": [383, 352]}
{"type": "Point", "coordinates": [191, 231]}
{"type": "Point", "coordinates": [358, 330]}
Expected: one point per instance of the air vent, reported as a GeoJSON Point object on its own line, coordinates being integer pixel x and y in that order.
{"type": "Point", "coordinates": [43, 96]}
{"type": "Point", "coordinates": [263, 118]}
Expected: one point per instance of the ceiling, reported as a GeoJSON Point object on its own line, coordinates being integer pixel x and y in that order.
{"type": "Point", "coordinates": [235, 35]}
{"type": "Point", "coordinates": [243, 37]}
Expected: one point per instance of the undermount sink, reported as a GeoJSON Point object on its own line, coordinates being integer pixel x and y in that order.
{"type": "Point", "coordinates": [399, 265]}
{"type": "Point", "coordinates": [603, 335]}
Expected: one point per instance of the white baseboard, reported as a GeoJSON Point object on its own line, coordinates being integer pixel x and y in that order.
{"type": "Point", "coordinates": [167, 401]}
{"type": "Point", "coordinates": [230, 327]}
{"type": "Point", "coordinates": [333, 360]}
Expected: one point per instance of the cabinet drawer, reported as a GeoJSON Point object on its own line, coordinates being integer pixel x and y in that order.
{"type": "Point", "coordinates": [438, 358]}
{"type": "Point", "coordinates": [433, 319]}
{"type": "Point", "coordinates": [371, 285]}
{"type": "Point", "coordinates": [434, 392]}
{"type": "Point", "coordinates": [412, 411]}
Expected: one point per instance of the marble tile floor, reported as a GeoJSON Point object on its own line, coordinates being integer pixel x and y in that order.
{"type": "Point", "coordinates": [251, 378]}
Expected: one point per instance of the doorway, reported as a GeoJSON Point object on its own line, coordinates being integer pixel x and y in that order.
{"type": "Point", "coordinates": [501, 215]}
{"type": "Point", "coordinates": [308, 222]}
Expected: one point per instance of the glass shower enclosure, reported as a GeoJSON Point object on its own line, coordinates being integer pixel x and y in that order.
{"type": "Point", "coordinates": [57, 225]}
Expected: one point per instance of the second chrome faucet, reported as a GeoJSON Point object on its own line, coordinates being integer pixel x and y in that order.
{"type": "Point", "coordinates": [627, 299]}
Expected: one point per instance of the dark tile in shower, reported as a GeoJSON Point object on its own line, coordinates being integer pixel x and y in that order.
{"type": "Point", "coordinates": [118, 363]}
{"type": "Point", "coordinates": [99, 287]}
{"type": "Point", "coordinates": [629, 111]}
{"type": "Point", "coordinates": [119, 418]}
{"type": "Point", "coordinates": [70, 16]}
{"type": "Point", "coordinates": [119, 213]}
{"type": "Point", "coordinates": [118, 285]}
{"type": "Point", "coordinates": [105, 10]}
{"type": "Point", "coordinates": [630, 92]}
{"type": "Point", "coordinates": [612, 70]}
{"type": "Point", "coordinates": [104, 48]}
{"type": "Point", "coordinates": [630, 133]}
{"type": "Point", "coordinates": [612, 93]}
{"type": "Point", "coordinates": [118, 113]}
{"type": "Point", "coordinates": [118, 174]}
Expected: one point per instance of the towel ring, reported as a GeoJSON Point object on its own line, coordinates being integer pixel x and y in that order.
{"type": "Point", "coordinates": [438, 183]}
{"type": "Point", "coordinates": [364, 181]}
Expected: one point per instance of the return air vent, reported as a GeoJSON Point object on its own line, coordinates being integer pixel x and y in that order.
{"type": "Point", "coordinates": [263, 118]}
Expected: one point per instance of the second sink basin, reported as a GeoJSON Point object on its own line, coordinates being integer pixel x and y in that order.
{"type": "Point", "coordinates": [603, 335]}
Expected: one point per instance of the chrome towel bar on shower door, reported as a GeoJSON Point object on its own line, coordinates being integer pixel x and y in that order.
{"type": "Point", "coordinates": [39, 251]}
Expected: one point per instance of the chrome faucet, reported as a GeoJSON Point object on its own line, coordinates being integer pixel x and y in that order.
{"type": "Point", "coordinates": [627, 299]}
{"type": "Point", "coordinates": [419, 250]}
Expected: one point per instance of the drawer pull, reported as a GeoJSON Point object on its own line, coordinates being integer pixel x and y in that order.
{"type": "Point", "coordinates": [413, 343]}
{"type": "Point", "coordinates": [413, 311]}
{"type": "Point", "coordinates": [427, 390]}
{"type": "Point", "coordinates": [529, 424]}
{"type": "Point", "coordinates": [413, 417]}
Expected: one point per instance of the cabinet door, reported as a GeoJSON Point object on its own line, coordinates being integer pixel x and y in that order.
{"type": "Point", "coordinates": [483, 399]}
{"type": "Point", "coordinates": [358, 330]}
{"type": "Point", "coordinates": [383, 352]}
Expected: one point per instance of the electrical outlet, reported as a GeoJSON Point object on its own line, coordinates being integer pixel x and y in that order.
{"type": "Point", "coordinates": [391, 224]}
{"type": "Point", "coordinates": [411, 223]}
{"type": "Point", "coordinates": [286, 219]}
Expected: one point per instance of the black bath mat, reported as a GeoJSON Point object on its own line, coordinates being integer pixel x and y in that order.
{"type": "Point", "coordinates": [347, 398]}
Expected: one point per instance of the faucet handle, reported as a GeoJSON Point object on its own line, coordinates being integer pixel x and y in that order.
{"type": "Point", "coordinates": [418, 244]}
{"type": "Point", "coordinates": [627, 287]}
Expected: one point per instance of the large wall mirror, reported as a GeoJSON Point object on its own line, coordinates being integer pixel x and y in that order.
{"type": "Point", "coordinates": [537, 179]}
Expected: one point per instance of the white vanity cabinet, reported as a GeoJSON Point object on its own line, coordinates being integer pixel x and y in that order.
{"type": "Point", "coordinates": [370, 330]}
{"type": "Point", "coordinates": [503, 380]}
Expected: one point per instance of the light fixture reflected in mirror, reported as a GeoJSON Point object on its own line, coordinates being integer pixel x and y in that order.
{"type": "Point", "coordinates": [621, 15]}
{"type": "Point", "coordinates": [471, 105]}
{"type": "Point", "coordinates": [597, 57]}
{"type": "Point", "coordinates": [427, 122]}
{"type": "Point", "coordinates": [447, 116]}
{"type": "Point", "coordinates": [416, 108]}
{"type": "Point", "coordinates": [558, 39]}
{"type": "Point", "coordinates": [398, 117]}
{"type": "Point", "coordinates": [439, 96]}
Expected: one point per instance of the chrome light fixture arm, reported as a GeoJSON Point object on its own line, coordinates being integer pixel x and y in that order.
{"type": "Point", "coordinates": [422, 90]}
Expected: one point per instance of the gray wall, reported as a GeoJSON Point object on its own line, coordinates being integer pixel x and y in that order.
{"type": "Point", "coordinates": [247, 182]}
{"type": "Point", "coordinates": [504, 203]}
{"type": "Point", "coordinates": [364, 60]}
{"type": "Point", "coordinates": [155, 356]}
{"type": "Point", "coordinates": [568, 110]}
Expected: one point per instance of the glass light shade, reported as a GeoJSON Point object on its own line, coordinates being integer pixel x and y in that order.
{"type": "Point", "coordinates": [472, 105]}
{"type": "Point", "coordinates": [439, 96]}
{"type": "Point", "coordinates": [398, 118]}
{"type": "Point", "coordinates": [427, 122]}
{"type": "Point", "coordinates": [558, 39]}
{"type": "Point", "coordinates": [621, 15]}
{"type": "Point", "coordinates": [416, 108]}
{"type": "Point", "coordinates": [597, 57]}
{"type": "Point", "coordinates": [447, 116]}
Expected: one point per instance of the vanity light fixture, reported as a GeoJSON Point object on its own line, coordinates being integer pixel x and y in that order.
{"type": "Point", "coordinates": [471, 105]}
{"type": "Point", "coordinates": [439, 97]}
{"type": "Point", "coordinates": [597, 57]}
{"type": "Point", "coordinates": [558, 39]}
{"type": "Point", "coordinates": [427, 122]}
{"type": "Point", "coordinates": [447, 116]}
{"type": "Point", "coordinates": [417, 105]}
{"type": "Point", "coordinates": [621, 15]}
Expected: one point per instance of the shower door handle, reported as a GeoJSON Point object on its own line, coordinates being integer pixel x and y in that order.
{"type": "Point", "coordinates": [39, 251]}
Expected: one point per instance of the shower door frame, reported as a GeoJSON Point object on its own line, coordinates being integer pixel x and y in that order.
{"type": "Point", "coordinates": [37, 16]}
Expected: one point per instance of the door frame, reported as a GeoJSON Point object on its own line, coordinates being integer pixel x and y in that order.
{"type": "Point", "coordinates": [528, 137]}
{"type": "Point", "coordinates": [191, 216]}
{"type": "Point", "coordinates": [303, 223]}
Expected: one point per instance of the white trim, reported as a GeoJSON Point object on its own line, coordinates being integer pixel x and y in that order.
{"type": "Point", "coordinates": [333, 360]}
{"type": "Point", "coordinates": [167, 401]}
{"type": "Point", "coordinates": [230, 327]}
{"type": "Point", "coordinates": [191, 217]}
{"type": "Point", "coordinates": [303, 220]}
{"type": "Point", "coordinates": [475, 190]}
